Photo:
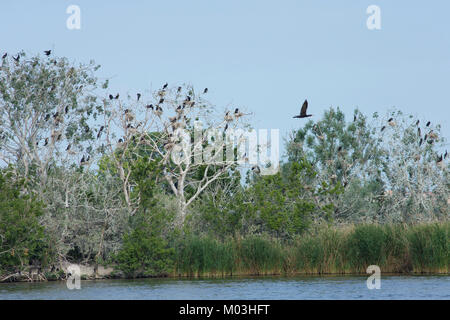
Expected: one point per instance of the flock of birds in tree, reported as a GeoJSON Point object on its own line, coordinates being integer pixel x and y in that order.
{"type": "Point", "coordinates": [429, 137]}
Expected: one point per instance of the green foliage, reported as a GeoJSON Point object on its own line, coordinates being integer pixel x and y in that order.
{"type": "Point", "coordinates": [22, 238]}
{"type": "Point", "coordinates": [144, 252]}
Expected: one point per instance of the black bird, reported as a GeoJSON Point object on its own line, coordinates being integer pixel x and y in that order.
{"type": "Point", "coordinates": [428, 123]}
{"type": "Point", "coordinates": [426, 136]}
{"type": "Point", "coordinates": [354, 118]}
{"type": "Point", "coordinates": [116, 97]}
{"type": "Point", "coordinates": [420, 142]}
{"type": "Point", "coordinates": [66, 109]}
{"type": "Point", "coordinates": [418, 132]}
{"type": "Point", "coordinates": [17, 58]}
{"type": "Point", "coordinates": [126, 111]}
{"type": "Point", "coordinates": [256, 169]}
{"type": "Point", "coordinates": [165, 85]}
{"type": "Point", "coordinates": [86, 129]}
{"type": "Point", "coordinates": [236, 110]}
{"type": "Point", "coordinates": [382, 128]}
{"type": "Point", "coordinates": [82, 160]}
{"type": "Point", "coordinates": [5, 55]}
{"type": "Point", "coordinates": [68, 147]}
{"type": "Point", "coordinates": [179, 89]}
{"type": "Point", "coordinates": [120, 140]}
{"type": "Point", "coordinates": [417, 122]}
{"type": "Point", "coordinates": [226, 127]}
{"type": "Point", "coordinates": [88, 158]}
{"type": "Point", "coordinates": [59, 137]}
{"type": "Point", "coordinates": [161, 100]}
{"type": "Point", "coordinates": [47, 52]}
{"type": "Point", "coordinates": [111, 97]}
{"type": "Point", "coordinates": [303, 111]}
{"type": "Point", "coordinates": [47, 116]}
{"type": "Point", "coordinates": [55, 115]}
{"type": "Point", "coordinates": [99, 134]}
{"type": "Point", "coordinates": [138, 96]}
{"type": "Point", "coordinates": [101, 128]}
{"type": "Point", "coordinates": [445, 155]}
{"type": "Point", "coordinates": [439, 160]}
{"type": "Point", "coordinates": [149, 106]}
{"type": "Point", "coordinates": [188, 98]}
{"type": "Point", "coordinates": [46, 142]}
{"type": "Point", "coordinates": [205, 91]}
{"type": "Point", "coordinates": [390, 119]}
{"type": "Point", "coordinates": [339, 148]}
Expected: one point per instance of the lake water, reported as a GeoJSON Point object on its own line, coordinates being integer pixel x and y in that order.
{"type": "Point", "coordinates": [302, 287]}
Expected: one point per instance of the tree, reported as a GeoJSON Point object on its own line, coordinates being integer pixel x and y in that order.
{"type": "Point", "coordinates": [166, 129]}
{"type": "Point", "coordinates": [22, 238]}
{"type": "Point", "coordinates": [47, 106]}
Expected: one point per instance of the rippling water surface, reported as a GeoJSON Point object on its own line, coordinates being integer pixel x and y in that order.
{"type": "Point", "coordinates": [326, 287]}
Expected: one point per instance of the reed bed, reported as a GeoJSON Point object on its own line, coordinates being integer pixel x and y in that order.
{"type": "Point", "coordinates": [423, 248]}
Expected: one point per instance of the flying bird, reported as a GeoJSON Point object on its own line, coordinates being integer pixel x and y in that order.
{"type": "Point", "coordinates": [303, 111]}
{"type": "Point", "coordinates": [47, 52]}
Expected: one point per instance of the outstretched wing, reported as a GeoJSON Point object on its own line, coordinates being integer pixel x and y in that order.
{"type": "Point", "coordinates": [304, 107]}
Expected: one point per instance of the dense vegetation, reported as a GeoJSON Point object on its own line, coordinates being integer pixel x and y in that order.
{"type": "Point", "coordinates": [90, 177]}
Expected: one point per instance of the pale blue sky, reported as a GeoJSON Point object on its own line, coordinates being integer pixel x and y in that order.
{"type": "Point", "coordinates": [265, 56]}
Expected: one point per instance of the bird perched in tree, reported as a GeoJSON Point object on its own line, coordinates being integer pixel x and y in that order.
{"type": "Point", "coordinates": [439, 160]}
{"type": "Point", "coordinates": [46, 142]}
{"type": "Point", "coordinates": [68, 147]}
{"type": "Point", "coordinates": [179, 89]}
{"type": "Point", "coordinates": [228, 117]}
{"type": "Point", "coordinates": [428, 123]}
{"type": "Point", "coordinates": [354, 118]}
{"type": "Point", "coordinates": [382, 128]}
{"type": "Point", "coordinates": [55, 115]}
{"type": "Point", "coordinates": [47, 116]}
{"type": "Point", "coordinates": [116, 97]}
{"type": "Point", "coordinates": [420, 142]}
{"type": "Point", "coordinates": [126, 111]}
{"type": "Point", "coordinates": [161, 100]}
{"type": "Point", "coordinates": [47, 52]}
{"type": "Point", "coordinates": [138, 96]}
{"type": "Point", "coordinates": [111, 97]}
{"type": "Point", "coordinates": [256, 169]}
{"type": "Point", "coordinates": [445, 155]}
{"type": "Point", "coordinates": [205, 91]}
{"type": "Point", "coordinates": [165, 85]}
{"type": "Point", "coordinates": [237, 113]}
{"type": "Point", "coordinates": [66, 109]}
{"type": "Point", "coordinates": [303, 111]}
{"type": "Point", "coordinates": [419, 132]}
{"type": "Point", "coordinates": [83, 160]}
{"type": "Point", "coordinates": [17, 58]}
{"type": "Point", "coordinates": [4, 56]}
{"type": "Point", "coordinates": [158, 111]}
{"type": "Point", "coordinates": [432, 135]}
{"type": "Point", "coordinates": [86, 129]}
{"type": "Point", "coordinates": [391, 122]}
{"type": "Point", "coordinates": [149, 106]}
{"type": "Point", "coordinates": [417, 122]}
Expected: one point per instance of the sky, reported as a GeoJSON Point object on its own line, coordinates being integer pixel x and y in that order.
{"type": "Point", "coordinates": [265, 57]}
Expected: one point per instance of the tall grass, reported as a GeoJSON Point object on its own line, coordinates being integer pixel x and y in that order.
{"type": "Point", "coordinates": [394, 248]}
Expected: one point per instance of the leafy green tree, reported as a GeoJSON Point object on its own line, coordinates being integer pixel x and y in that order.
{"type": "Point", "coordinates": [22, 238]}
